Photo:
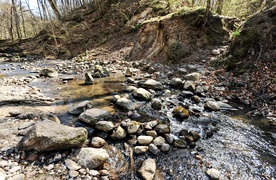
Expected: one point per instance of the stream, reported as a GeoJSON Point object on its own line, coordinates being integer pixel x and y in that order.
{"type": "Point", "coordinates": [238, 146]}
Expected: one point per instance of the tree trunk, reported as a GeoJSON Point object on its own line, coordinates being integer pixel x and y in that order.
{"type": "Point", "coordinates": [220, 6]}
{"type": "Point", "coordinates": [54, 8]}
{"type": "Point", "coordinates": [208, 7]}
{"type": "Point", "coordinates": [16, 19]}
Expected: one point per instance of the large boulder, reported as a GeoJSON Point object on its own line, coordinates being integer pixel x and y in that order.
{"type": "Point", "coordinates": [142, 94]}
{"type": "Point", "coordinates": [92, 157]}
{"type": "Point", "coordinates": [93, 115]}
{"type": "Point", "coordinates": [152, 84]}
{"type": "Point", "coordinates": [51, 136]}
{"type": "Point", "coordinates": [148, 169]}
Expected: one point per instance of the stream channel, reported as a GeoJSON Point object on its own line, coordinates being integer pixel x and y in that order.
{"type": "Point", "coordinates": [239, 147]}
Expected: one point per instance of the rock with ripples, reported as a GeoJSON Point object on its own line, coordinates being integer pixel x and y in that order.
{"type": "Point", "coordinates": [93, 115]}
{"type": "Point", "coordinates": [51, 136]}
{"type": "Point", "coordinates": [148, 169]}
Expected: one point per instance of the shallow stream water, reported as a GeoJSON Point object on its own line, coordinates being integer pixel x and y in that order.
{"type": "Point", "coordinates": [240, 148]}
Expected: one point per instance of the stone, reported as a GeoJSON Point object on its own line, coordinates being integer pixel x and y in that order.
{"type": "Point", "coordinates": [148, 169]}
{"type": "Point", "coordinates": [153, 149]}
{"type": "Point", "coordinates": [212, 106]}
{"type": "Point", "coordinates": [51, 117]}
{"type": "Point", "coordinates": [223, 105]}
{"type": "Point", "coordinates": [156, 104]}
{"type": "Point", "coordinates": [192, 76]}
{"type": "Point", "coordinates": [50, 136]}
{"type": "Point", "coordinates": [153, 84]}
{"type": "Point", "coordinates": [215, 52]}
{"type": "Point", "coordinates": [180, 143]}
{"type": "Point", "coordinates": [180, 112]}
{"type": "Point", "coordinates": [159, 141]}
{"type": "Point", "coordinates": [105, 126]}
{"type": "Point", "coordinates": [48, 73]}
{"type": "Point", "coordinates": [142, 94]}
{"type": "Point", "coordinates": [80, 108]}
{"type": "Point", "coordinates": [88, 79]}
{"type": "Point", "coordinates": [94, 172]}
{"type": "Point", "coordinates": [144, 140]}
{"type": "Point", "coordinates": [169, 138]}
{"type": "Point", "coordinates": [140, 149]}
{"type": "Point", "coordinates": [196, 99]}
{"type": "Point", "coordinates": [128, 72]}
{"type": "Point", "coordinates": [130, 88]}
{"type": "Point", "coordinates": [132, 127]}
{"type": "Point", "coordinates": [199, 90]}
{"type": "Point", "coordinates": [165, 147]}
{"type": "Point", "coordinates": [151, 133]}
{"type": "Point", "coordinates": [71, 164]}
{"type": "Point", "coordinates": [99, 72]}
{"type": "Point", "coordinates": [150, 125]}
{"type": "Point", "coordinates": [187, 94]}
{"type": "Point", "coordinates": [97, 142]}
{"type": "Point", "coordinates": [126, 104]}
{"type": "Point", "coordinates": [176, 82]}
{"type": "Point", "coordinates": [119, 133]}
{"type": "Point", "coordinates": [195, 135]}
{"type": "Point", "coordinates": [92, 158]}
{"type": "Point", "coordinates": [162, 129]}
{"type": "Point", "coordinates": [213, 173]}
{"type": "Point", "coordinates": [73, 173]}
{"type": "Point", "coordinates": [93, 115]}
{"type": "Point", "coordinates": [189, 86]}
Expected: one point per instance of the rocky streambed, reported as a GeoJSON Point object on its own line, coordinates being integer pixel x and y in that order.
{"type": "Point", "coordinates": [123, 120]}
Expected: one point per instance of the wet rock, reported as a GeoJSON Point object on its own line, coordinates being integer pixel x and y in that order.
{"type": "Point", "coordinates": [195, 135]}
{"type": "Point", "coordinates": [99, 72]}
{"type": "Point", "coordinates": [159, 141]}
{"type": "Point", "coordinates": [144, 140]}
{"type": "Point", "coordinates": [153, 149]}
{"type": "Point", "coordinates": [212, 106]}
{"type": "Point", "coordinates": [128, 72]}
{"type": "Point", "coordinates": [142, 94]}
{"type": "Point", "coordinates": [93, 115]}
{"type": "Point", "coordinates": [213, 173]}
{"type": "Point", "coordinates": [169, 138]}
{"type": "Point", "coordinates": [132, 127]}
{"type": "Point", "coordinates": [80, 108]}
{"type": "Point", "coordinates": [176, 82]}
{"type": "Point", "coordinates": [140, 149]}
{"type": "Point", "coordinates": [191, 68]}
{"type": "Point", "coordinates": [182, 71]}
{"type": "Point", "coordinates": [192, 76]}
{"type": "Point", "coordinates": [165, 147]}
{"type": "Point", "coordinates": [71, 164]}
{"type": "Point", "coordinates": [51, 117]}
{"type": "Point", "coordinates": [181, 112]}
{"type": "Point", "coordinates": [180, 143]}
{"type": "Point", "coordinates": [92, 158]}
{"type": "Point", "coordinates": [48, 73]}
{"type": "Point", "coordinates": [97, 142]}
{"type": "Point", "coordinates": [153, 84]}
{"type": "Point", "coordinates": [126, 104]}
{"type": "Point", "coordinates": [50, 136]}
{"type": "Point", "coordinates": [223, 105]}
{"type": "Point", "coordinates": [88, 79]}
{"type": "Point", "coordinates": [186, 94]}
{"type": "Point", "coordinates": [148, 169]}
{"type": "Point", "coordinates": [196, 99]}
{"type": "Point", "coordinates": [162, 129]}
{"type": "Point", "coordinates": [189, 86]}
{"type": "Point", "coordinates": [156, 104]}
{"type": "Point", "coordinates": [199, 90]}
{"type": "Point", "coordinates": [119, 133]}
{"type": "Point", "coordinates": [105, 126]}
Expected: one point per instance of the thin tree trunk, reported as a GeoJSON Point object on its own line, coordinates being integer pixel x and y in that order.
{"type": "Point", "coordinates": [208, 7]}
{"type": "Point", "coordinates": [11, 27]}
{"type": "Point", "coordinates": [16, 19]}
{"type": "Point", "coordinates": [220, 6]}
{"type": "Point", "coordinates": [23, 20]}
{"type": "Point", "coordinates": [54, 8]}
